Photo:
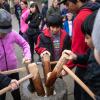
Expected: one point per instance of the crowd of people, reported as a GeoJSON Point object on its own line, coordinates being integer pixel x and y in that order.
{"type": "Point", "coordinates": [69, 26]}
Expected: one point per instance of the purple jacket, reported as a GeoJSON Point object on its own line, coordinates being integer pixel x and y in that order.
{"type": "Point", "coordinates": [8, 59]}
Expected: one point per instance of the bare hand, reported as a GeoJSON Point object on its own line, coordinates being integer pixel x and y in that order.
{"type": "Point", "coordinates": [14, 84]}
{"type": "Point", "coordinates": [70, 54]}
{"type": "Point", "coordinates": [26, 61]}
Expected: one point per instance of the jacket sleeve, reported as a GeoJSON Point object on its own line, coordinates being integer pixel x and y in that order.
{"type": "Point", "coordinates": [82, 59]}
{"type": "Point", "coordinates": [23, 44]}
{"type": "Point", "coordinates": [34, 23]}
{"type": "Point", "coordinates": [40, 46]}
{"type": "Point", "coordinates": [67, 43]}
{"type": "Point", "coordinates": [4, 81]}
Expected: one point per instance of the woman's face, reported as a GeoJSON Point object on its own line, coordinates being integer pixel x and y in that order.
{"type": "Point", "coordinates": [33, 9]}
{"type": "Point", "coordinates": [55, 3]}
{"type": "Point", "coordinates": [23, 6]}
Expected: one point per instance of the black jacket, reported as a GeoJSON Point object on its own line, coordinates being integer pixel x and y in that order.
{"type": "Point", "coordinates": [92, 74]}
{"type": "Point", "coordinates": [34, 22]}
{"type": "Point", "coordinates": [4, 81]}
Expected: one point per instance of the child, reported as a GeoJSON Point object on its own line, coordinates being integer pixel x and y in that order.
{"type": "Point", "coordinates": [92, 74]}
{"type": "Point", "coordinates": [8, 60]}
{"type": "Point", "coordinates": [4, 81]}
{"type": "Point", "coordinates": [53, 39]}
{"type": "Point", "coordinates": [67, 24]}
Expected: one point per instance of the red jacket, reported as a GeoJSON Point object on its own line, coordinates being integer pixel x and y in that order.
{"type": "Point", "coordinates": [45, 42]}
{"type": "Point", "coordinates": [78, 39]}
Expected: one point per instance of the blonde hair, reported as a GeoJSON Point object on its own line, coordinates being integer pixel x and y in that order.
{"type": "Point", "coordinates": [54, 1]}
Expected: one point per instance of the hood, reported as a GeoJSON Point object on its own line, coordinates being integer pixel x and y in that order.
{"type": "Point", "coordinates": [90, 5]}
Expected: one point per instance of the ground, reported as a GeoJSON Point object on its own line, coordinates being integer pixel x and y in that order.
{"type": "Point", "coordinates": [24, 92]}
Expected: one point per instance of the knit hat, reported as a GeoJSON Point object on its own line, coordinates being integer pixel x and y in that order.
{"type": "Point", "coordinates": [5, 21]}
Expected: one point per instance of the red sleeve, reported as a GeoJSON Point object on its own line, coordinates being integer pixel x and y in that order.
{"type": "Point", "coordinates": [38, 47]}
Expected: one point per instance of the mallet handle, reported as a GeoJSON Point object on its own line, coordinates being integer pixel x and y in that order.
{"type": "Point", "coordinates": [8, 88]}
{"type": "Point", "coordinates": [91, 94]}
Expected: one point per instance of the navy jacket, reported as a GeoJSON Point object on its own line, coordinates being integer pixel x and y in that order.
{"type": "Point", "coordinates": [4, 81]}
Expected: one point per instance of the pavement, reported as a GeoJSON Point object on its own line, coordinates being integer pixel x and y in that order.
{"type": "Point", "coordinates": [24, 91]}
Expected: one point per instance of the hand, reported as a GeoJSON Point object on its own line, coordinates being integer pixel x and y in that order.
{"type": "Point", "coordinates": [70, 54]}
{"type": "Point", "coordinates": [63, 73]}
{"type": "Point", "coordinates": [14, 84]}
{"type": "Point", "coordinates": [45, 52]}
{"type": "Point", "coordinates": [26, 60]}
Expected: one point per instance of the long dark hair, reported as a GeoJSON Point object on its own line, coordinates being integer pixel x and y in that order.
{"type": "Point", "coordinates": [87, 25]}
{"type": "Point", "coordinates": [36, 6]}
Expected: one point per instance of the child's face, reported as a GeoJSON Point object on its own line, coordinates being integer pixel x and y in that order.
{"type": "Point", "coordinates": [69, 16]}
{"type": "Point", "coordinates": [88, 40]}
{"type": "Point", "coordinates": [54, 29]}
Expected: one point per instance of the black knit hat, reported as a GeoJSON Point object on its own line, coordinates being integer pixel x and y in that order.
{"type": "Point", "coordinates": [54, 20]}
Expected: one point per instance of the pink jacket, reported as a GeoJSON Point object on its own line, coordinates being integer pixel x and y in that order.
{"type": "Point", "coordinates": [8, 58]}
{"type": "Point", "coordinates": [23, 25]}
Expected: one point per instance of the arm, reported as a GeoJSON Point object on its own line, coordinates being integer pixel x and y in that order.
{"type": "Point", "coordinates": [5, 81]}
{"type": "Point", "coordinates": [40, 46]}
{"type": "Point", "coordinates": [34, 23]}
{"type": "Point", "coordinates": [23, 44]}
{"type": "Point", "coordinates": [67, 43]}
{"type": "Point", "coordinates": [78, 59]}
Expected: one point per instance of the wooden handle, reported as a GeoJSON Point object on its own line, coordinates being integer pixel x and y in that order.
{"type": "Point", "coordinates": [8, 88]}
{"type": "Point", "coordinates": [57, 70]}
{"type": "Point", "coordinates": [46, 69]}
{"type": "Point", "coordinates": [23, 69]}
{"type": "Point", "coordinates": [91, 94]}
{"type": "Point", "coordinates": [36, 79]}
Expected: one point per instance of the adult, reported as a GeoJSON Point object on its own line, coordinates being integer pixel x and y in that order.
{"type": "Point", "coordinates": [82, 8]}
{"type": "Point", "coordinates": [4, 4]}
{"type": "Point", "coordinates": [54, 8]}
{"type": "Point", "coordinates": [17, 10]}
{"type": "Point", "coordinates": [23, 17]}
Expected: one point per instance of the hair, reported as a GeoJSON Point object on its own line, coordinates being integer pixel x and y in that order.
{"type": "Point", "coordinates": [87, 25]}
{"type": "Point", "coordinates": [54, 20]}
{"type": "Point", "coordinates": [53, 2]}
{"type": "Point", "coordinates": [25, 2]}
{"type": "Point", "coordinates": [36, 6]}
{"type": "Point", "coordinates": [75, 1]}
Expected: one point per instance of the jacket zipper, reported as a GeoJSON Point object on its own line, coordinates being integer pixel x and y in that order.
{"type": "Point", "coordinates": [4, 54]}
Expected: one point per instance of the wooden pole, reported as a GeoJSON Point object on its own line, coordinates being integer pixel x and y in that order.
{"type": "Point", "coordinates": [23, 69]}
{"type": "Point", "coordinates": [8, 88]}
{"type": "Point", "coordinates": [91, 94]}
{"type": "Point", "coordinates": [46, 69]}
{"type": "Point", "coordinates": [36, 79]}
{"type": "Point", "coordinates": [57, 70]}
